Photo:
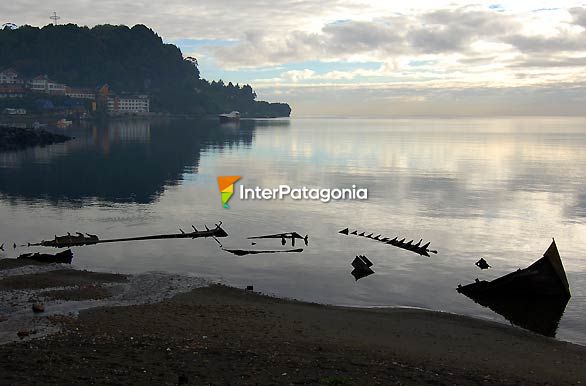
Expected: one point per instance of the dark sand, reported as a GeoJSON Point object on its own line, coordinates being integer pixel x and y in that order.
{"type": "Point", "coordinates": [59, 278]}
{"type": "Point", "coordinates": [222, 335]}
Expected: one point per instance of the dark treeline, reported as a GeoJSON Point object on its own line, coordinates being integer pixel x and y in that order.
{"type": "Point", "coordinates": [128, 59]}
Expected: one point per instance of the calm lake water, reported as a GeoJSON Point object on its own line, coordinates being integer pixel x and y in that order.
{"type": "Point", "coordinates": [493, 188]}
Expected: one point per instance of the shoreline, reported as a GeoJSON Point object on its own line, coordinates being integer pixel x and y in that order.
{"type": "Point", "coordinates": [219, 334]}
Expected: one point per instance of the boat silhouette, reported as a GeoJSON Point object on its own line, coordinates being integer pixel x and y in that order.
{"type": "Point", "coordinates": [533, 298]}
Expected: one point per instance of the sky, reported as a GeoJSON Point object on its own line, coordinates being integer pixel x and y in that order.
{"type": "Point", "coordinates": [367, 58]}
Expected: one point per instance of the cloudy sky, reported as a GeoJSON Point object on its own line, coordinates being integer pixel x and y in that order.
{"type": "Point", "coordinates": [357, 57]}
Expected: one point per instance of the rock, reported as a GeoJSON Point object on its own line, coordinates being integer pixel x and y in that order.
{"type": "Point", "coordinates": [38, 307]}
{"type": "Point", "coordinates": [249, 288]}
{"type": "Point", "coordinates": [23, 333]}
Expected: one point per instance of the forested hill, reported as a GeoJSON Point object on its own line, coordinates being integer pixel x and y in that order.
{"type": "Point", "coordinates": [129, 60]}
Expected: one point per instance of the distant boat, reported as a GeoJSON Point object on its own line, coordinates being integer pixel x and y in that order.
{"type": "Point", "coordinates": [233, 116]}
{"type": "Point", "coordinates": [64, 123]}
{"type": "Point", "coordinates": [39, 125]}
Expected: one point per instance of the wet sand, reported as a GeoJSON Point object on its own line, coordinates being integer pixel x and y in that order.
{"type": "Point", "coordinates": [223, 335]}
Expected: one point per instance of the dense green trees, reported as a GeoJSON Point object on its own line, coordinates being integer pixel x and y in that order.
{"type": "Point", "coordinates": [128, 59]}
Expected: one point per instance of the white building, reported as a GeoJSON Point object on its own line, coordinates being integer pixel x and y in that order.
{"type": "Point", "coordinates": [136, 104]}
{"type": "Point", "coordinates": [9, 76]}
{"type": "Point", "coordinates": [45, 85]}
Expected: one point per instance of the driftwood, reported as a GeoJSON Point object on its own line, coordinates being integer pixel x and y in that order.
{"type": "Point", "coordinates": [80, 239]}
{"type": "Point", "coordinates": [422, 250]}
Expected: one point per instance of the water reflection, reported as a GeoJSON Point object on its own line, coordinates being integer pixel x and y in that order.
{"type": "Point", "coordinates": [122, 161]}
{"type": "Point", "coordinates": [495, 188]}
{"type": "Point", "coordinates": [538, 314]}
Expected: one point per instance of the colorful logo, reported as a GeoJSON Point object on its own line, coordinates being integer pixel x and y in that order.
{"type": "Point", "coordinates": [226, 185]}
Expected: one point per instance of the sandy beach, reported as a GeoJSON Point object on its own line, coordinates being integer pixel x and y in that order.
{"type": "Point", "coordinates": [221, 335]}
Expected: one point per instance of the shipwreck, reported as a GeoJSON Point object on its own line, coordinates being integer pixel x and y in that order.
{"type": "Point", "coordinates": [284, 237]}
{"type": "Point", "coordinates": [544, 277]}
{"type": "Point", "coordinates": [533, 298]}
{"type": "Point", "coordinates": [80, 239]}
{"type": "Point", "coordinates": [361, 266]}
{"type": "Point", "coordinates": [422, 250]}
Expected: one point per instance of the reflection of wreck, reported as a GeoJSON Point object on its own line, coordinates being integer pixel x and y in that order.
{"type": "Point", "coordinates": [64, 257]}
{"type": "Point", "coordinates": [243, 252]}
{"type": "Point", "coordinates": [362, 268]}
{"type": "Point", "coordinates": [283, 236]}
{"type": "Point", "coordinates": [533, 298]}
{"type": "Point", "coordinates": [540, 314]}
{"type": "Point", "coordinates": [422, 250]}
{"type": "Point", "coordinates": [87, 239]}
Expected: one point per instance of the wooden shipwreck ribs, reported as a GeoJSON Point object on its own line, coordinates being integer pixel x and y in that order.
{"type": "Point", "coordinates": [422, 250]}
{"type": "Point", "coordinates": [80, 239]}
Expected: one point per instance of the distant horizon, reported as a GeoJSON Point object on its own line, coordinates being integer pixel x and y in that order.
{"type": "Point", "coordinates": [352, 57]}
{"type": "Point", "coordinates": [422, 116]}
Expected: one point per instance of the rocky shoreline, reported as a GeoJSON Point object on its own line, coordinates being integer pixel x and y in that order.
{"type": "Point", "coordinates": [191, 332]}
{"type": "Point", "coordinates": [13, 138]}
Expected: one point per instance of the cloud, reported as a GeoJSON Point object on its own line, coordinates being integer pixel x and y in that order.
{"type": "Point", "coordinates": [297, 75]}
{"type": "Point", "coordinates": [579, 16]}
{"type": "Point", "coordinates": [549, 62]}
{"type": "Point", "coordinates": [562, 42]}
{"type": "Point", "coordinates": [444, 31]}
{"type": "Point", "coordinates": [456, 29]}
{"type": "Point", "coordinates": [354, 37]}
{"type": "Point", "coordinates": [360, 44]}
{"type": "Point", "coordinates": [386, 100]}
{"type": "Point", "coordinates": [179, 19]}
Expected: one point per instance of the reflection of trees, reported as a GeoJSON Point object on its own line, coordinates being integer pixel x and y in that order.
{"type": "Point", "coordinates": [119, 162]}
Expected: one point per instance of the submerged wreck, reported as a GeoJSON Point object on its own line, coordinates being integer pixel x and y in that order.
{"type": "Point", "coordinates": [80, 239]}
{"type": "Point", "coordinates": [544, 277]}
{"type": "Point", "coordinates": [64, 257]}
{"type": "Point", "coordinates": [482, 264]}
{"type": "Point", "coordinates": [284, 236]}
{"type": "Point", "coordinates": [534, 298]}
{"type": "Point", "coordinates": [362, 268]}
{"type": "Point", "coordinates": [422, 250]}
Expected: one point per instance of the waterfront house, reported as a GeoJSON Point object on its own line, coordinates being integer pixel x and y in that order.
{"type": "Point", "coordinates": [9, 76]}
{"type": "Point", "coordinates": [45, 85]}
{"type": "Point", "coordinates": [128, 104]}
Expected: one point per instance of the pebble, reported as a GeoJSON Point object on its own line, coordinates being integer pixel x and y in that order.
{"type": "Point", "coordinates": [23, 333]}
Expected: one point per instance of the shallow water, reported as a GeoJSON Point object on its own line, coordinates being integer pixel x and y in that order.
{"type": "Point", "coordinates": [493, 188]}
